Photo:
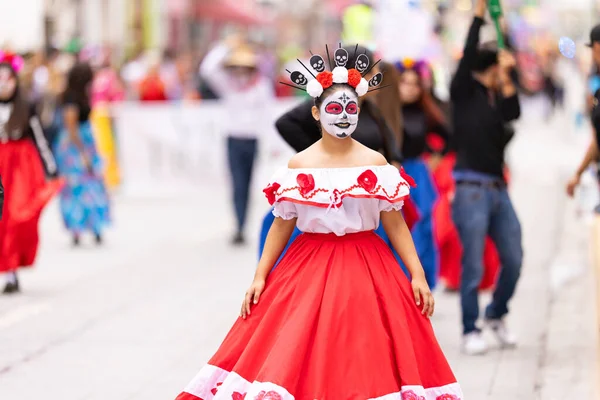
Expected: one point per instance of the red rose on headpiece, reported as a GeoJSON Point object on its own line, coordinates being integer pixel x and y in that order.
{"type": "Point", "coordinates": [354, 77]}
{"type": "Point", "coordinates": [271, 192]}
{"type": "Point", "coordinates": [325, 78]}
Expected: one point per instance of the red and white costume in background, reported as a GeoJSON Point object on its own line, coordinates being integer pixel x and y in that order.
{"type": "Point", "coordinates": [337, 319]}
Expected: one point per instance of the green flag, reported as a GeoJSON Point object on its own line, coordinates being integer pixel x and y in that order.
{"type": "Point", "coordinates": [496, 12]}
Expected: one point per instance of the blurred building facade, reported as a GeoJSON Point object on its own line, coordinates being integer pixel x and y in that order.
{"type": "Point", "coordinates": [176, 24]}
{"type": "Point", "coordinates": [129, 26]}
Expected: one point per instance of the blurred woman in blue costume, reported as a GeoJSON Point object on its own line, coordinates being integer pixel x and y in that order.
{"type": "Point", "coordinates": [84, 201]}
{"type": "Point", "coordinates": [421, 116]}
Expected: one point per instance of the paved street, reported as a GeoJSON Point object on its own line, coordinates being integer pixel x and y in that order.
{"type": "Point", "coordinates": [137, 318]}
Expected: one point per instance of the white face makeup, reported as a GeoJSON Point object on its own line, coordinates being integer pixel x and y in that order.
{"type": "Point", "coordinates": [339, 113]}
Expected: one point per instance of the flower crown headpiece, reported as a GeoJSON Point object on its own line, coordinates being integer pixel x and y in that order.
{"type": "Point", "coordinates": [421, 67]}
{"type": "Point", "coordinates": [340, 74]}
{"type": "Point", "coordinates": [15, 60]}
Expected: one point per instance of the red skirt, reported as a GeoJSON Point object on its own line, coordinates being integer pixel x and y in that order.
{"type": "Point", "coordinates": [447, 238]}
{"type": "Point", "coordinates": [26, 194]}
{"type": "Point", "coordinates": [337, 321]}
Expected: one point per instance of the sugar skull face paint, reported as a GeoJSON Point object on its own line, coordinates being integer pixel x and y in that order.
{"type": "Point", "coordinates": [339, 113]}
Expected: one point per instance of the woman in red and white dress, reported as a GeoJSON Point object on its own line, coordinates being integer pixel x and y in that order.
{"type": "Point", "coordinates": [337, 319]}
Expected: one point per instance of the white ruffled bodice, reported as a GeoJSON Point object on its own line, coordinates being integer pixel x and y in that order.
{"type": "Point", "coordinates": [337, 200]}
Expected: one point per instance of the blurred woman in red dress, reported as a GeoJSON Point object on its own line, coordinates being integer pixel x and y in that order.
{"type": "Point", "coordinates": [22, 150]}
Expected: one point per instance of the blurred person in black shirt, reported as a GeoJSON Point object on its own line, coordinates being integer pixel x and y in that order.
{"type": "Point", "coordinates": [485, 100]}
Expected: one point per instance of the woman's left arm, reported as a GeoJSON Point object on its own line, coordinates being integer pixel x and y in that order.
{"type": "Point", "coordinates": [397, 230]}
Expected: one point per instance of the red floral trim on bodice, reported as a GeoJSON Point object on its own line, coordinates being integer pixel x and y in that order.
{"type": "Point", "coordinates": [367, 184]}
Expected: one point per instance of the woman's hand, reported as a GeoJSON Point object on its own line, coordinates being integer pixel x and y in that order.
{"type": "Point", "coordinates": [423, 295]}
{"type": "Point", "coordinates": [572, 185]}
{"type": "Point", "coordinates": [252, 296]}
{"type": "Point", "coordinates": [480, 8]}
{"type": "Point", "coordinates": [506, 60]}
{"type": "Point", "coordinates": [434, 161]}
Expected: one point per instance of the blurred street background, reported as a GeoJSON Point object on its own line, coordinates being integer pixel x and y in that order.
{"type": "Point", "coordinates": [137, 317]}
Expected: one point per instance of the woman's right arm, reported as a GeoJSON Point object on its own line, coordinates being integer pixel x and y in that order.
{"type": "Point", "coordinates": [277, 238]}
{"type": "Point", "coordinates": [71, 122]}
{"type": "Point", "coordinates": [591, 155]}
{"type": "Point", "coordinates": [212, 70]}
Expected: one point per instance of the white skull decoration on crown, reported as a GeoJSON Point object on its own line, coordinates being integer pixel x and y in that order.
{"type": "Point", "coordinates": [298, 78]}
{"type": "Point", "coordinates": [341, 57]}
{"type": "Point", "coordinates": [317, 63]}
{"type": "Point", "coordinates": [340, 74]}
{"type": "Point", "coordinates": [376, 80]}
{"type": "Point", "coordinates": [362, 63]}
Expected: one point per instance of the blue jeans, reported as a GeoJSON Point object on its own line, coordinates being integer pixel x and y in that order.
{"type": "Point", "coordinates": [241, 154]}
{"type": "Point", "coordinates": [478, 211]}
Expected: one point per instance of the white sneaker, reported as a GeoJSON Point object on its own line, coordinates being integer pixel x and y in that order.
{"type": "Point", "coordinates": [506, 338]}
{"type": "Point", "coordinates": [473, 344]}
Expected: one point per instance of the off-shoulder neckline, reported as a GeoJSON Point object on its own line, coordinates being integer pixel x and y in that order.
{"type": "Point", "coordinates": [340, 168]}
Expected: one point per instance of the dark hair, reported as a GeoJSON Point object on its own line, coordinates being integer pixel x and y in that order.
{"type": "Point", "coordinates": [169, 54]}
{"type": "Point", "coordinates": [487, 56]}
{"type": "Point", "coordinates": [373, 110]}
{"type": "Point", "coordinates": [19, 117]}
{"type": "Point", "coordinates": [331, 89]}
{"type": "Point", "coordinates": [388, 101]}
{"type": "Point", "coordinates": [80, 76]}
{"type": "Point", "coordinates": [353, 55]}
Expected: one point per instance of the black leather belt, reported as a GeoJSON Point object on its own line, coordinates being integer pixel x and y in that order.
{"type": "Point", "coordinates": [482, 184]}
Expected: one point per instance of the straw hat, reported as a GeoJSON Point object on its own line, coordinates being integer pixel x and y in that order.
{"type": "Point", "coordinates": [242, 56]}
